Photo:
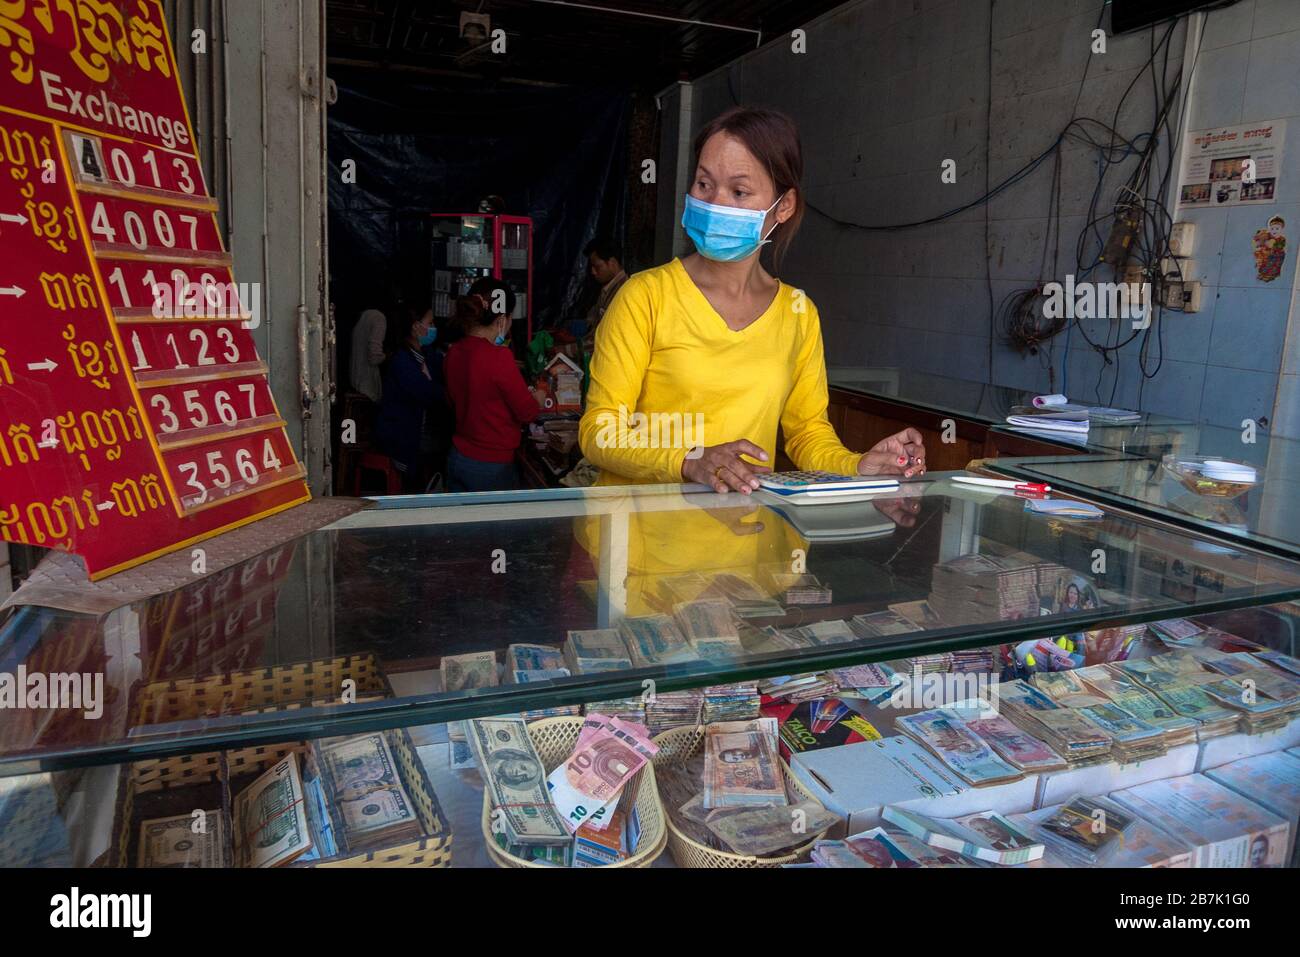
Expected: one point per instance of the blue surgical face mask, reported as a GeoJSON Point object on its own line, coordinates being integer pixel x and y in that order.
{"type": "Point", "coordinates": [499, 340]}
{"type": "Point", "coordinates": [725, 234]}
{"type": "Point", "coordinates": [430, 337]}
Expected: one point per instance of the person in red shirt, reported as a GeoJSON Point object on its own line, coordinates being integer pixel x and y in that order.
{"type": "Point", "coordinates": [490, 398]}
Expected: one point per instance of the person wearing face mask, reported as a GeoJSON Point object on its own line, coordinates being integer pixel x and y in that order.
{"type": "Point", "coordinates": [408, 394]}
{"type": "Point", "coordinates": [489, 397]}
{"type": "Point", "coordinates": [714, 335]}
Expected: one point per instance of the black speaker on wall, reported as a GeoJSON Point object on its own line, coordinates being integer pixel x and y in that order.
{"type": "Point", "coordinates": [1129, 15]}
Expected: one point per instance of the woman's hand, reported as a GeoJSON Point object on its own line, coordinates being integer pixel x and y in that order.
{"type": "Point", "coordinates": [901, 511]}
{"type": "Point", "coordinates": [721, 467]}
{"type": "Point", "coordinates": [902, 454]}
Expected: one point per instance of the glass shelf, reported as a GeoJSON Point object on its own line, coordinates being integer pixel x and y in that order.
{"type": "Point", "coordinates": [413, 580]}
{"type": "Point", "coordinates": [1266, 515]}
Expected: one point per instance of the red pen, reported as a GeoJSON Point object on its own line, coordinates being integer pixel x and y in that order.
{"type": "Point", "coordinates": [1028, 488]}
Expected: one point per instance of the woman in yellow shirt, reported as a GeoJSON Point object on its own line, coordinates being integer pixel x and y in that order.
{"type": "Point", "coordinates": [698, 362]}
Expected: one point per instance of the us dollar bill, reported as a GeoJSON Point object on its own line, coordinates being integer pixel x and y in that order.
{"type": "Point", "coordinates": [515, 780]}
{"type": "Point", "coordinates": [175, 841]}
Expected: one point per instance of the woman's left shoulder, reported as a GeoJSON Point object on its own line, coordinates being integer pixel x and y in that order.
{"type": "Point", "coordinates": [798, 303]}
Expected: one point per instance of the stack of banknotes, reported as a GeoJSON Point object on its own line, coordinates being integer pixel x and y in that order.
{"type": "Point", "coordinates": [362, 782]}
{"type": "Point", "coordinates": [666, 710]}
{"type": "Point", "coordinates": [1262, 689]}
{"type": "Point", "coordinates": [732, 797]}
{"type": "Point", "coordinates": [1114, 685]}
{"type": "Point", "coordinates": [870, 682]}
{"type": "Point", "coordinates": [975, 588]}
{"type": "Point", "coordinates": [970, 756]}
{"type": "Point", "coordinates": [742, 766]}
{"type": "Point", "coordinates": [197, 839]}
{"type": "Point", "coordinates": [879, 624]}
{"type": "Point", "coordinates": [800, 588]}
{"type": "Point", "coordinates": [655, 640]}
{"type": "Point", "coordinates": [733, 702]}
{"type": "Point", "coordinates": [597, 651]}
{"type": "Point", "coordinates": [1065, 731]}
{"type": "Point", "coordinates": [271, 825]}
{"type": "Point", "coordinates": [796, 688]}
{"type": "Point", "coordinates": [570, 807]}
{"type": "Point", "coordinates": [533, 664]}
{"type": "Point", "coordinates": [1134, 739]}
{"type": "Point", "coordinates": [710, 627]}
{"type": "Point", "coordinates": [466, 673]}
{"type": "Point", "coordinates": [1180, 687]}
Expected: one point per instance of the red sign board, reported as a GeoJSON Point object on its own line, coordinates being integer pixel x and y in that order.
{"type": "Point", "coordinates": [135, 413]}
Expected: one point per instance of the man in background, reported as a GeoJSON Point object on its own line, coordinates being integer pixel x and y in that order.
{"type": "Point", "coordinates": [605, 260]}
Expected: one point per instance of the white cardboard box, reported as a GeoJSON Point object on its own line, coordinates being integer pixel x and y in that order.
{"type": "Point", "coordinates": [1056, 787]}
{"type": "Point", "coordinates": [1226, 829]}
{"type": "Point", "coordinates": [1234, 747]}
{"type": "Point", "coordinates": [856, 781]}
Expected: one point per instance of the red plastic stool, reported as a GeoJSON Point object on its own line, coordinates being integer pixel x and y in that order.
{"type": "Point", "coordinates": [377, 462]}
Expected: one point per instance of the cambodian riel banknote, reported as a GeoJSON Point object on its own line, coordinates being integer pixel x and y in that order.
{"type": "Point", "coordinates": [466, 672]}
{"type": "Point", "coordinates": [742, 769]}
{"type": "Point", "coordinates": [957, 746]}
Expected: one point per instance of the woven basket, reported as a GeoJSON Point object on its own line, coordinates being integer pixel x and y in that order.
{"type": "Point", "coordinates": [277, 688]}
{"type": "Point", "coordinates": [554, 739]}
{"type": "Point", "coordinates": [177, 785]}
{"type": "Point", "coordinates": [679, 745]}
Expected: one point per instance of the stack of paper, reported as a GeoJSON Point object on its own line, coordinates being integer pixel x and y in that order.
{"type": "Point", "coordinates": [986, 836]}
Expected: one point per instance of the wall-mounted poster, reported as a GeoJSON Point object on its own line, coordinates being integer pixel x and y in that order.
{"type": "Point", "coordinates": [1232, 165]}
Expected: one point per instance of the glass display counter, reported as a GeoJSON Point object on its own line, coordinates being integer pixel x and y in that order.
{"type": "Point", "coordinates": [1162, 474]}
{"type": "Point", "coordinates": [962, 420]}
{"type": "Point", "coordinates": [377, 629]}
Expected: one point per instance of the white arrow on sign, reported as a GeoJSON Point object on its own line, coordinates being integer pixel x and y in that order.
{"type": "Point", "coordinates": [14, 291]}
{"type": "Point", "coordinates": [20, 219]}
{"type": "Point", "coordinates": [105, 506]}
{"type": "Point", "coordinates": [49, 365]}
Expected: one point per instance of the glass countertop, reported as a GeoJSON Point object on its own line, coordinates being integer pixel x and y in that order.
{"type": "Point", "coordinates": [1265, 513]}
{"type": "Point", "coordinates": [976, 401]}
{"type": "Point", "coordinates": [983, 403]}
{"type": "Point", "coordinates": [386, 594]}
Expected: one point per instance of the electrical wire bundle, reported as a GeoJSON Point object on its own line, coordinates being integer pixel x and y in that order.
{"type": "Point", "coordinates": [1138, 214]}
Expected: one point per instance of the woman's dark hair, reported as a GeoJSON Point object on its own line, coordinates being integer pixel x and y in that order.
{"type": "Point", "coordinates": [487, 287]}
{"type": "Point", "coordinates": [773, 138]}
{"type": "Point", "coordinates": [407, 316]}
{"type": "Point", "coordinates": [472, 311]}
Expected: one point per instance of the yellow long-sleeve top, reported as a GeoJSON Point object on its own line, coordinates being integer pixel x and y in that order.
{"type": "Point", "coordinates": [662, 348]}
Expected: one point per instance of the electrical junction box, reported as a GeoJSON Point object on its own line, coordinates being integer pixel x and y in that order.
{"type": "Point", "coordinates": [1183, 296]}
{"type": "Point", "coordinates": [1182, 239]}
{"type": "Point", "coordinates": [1172, 267]}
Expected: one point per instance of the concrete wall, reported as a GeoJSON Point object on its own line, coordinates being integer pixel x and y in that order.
{"type": "Point", "coordinates": [888, 89]}
{"type": "Point", "coordinates": [256, 98]}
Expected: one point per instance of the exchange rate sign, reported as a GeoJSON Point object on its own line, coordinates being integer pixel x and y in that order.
{"type": "Point", "coordinates": [135, 413]}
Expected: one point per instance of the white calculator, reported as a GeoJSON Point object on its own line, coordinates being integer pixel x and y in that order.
{"type": "Point", "coordinates": [822, 484]}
